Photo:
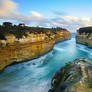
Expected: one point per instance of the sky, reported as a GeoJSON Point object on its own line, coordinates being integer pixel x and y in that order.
{"type": "Point", "coordinates": [69, 14]}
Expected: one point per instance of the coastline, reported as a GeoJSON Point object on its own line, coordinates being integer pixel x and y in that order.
{"type": "Point", "coordinates": [48, 47]}
{"type": "Point", "coordinates": [25, 43]}
{"type": "Point", "coordinates": [83, 44]}
{"type": "Point", "coordinates": [1, 71]}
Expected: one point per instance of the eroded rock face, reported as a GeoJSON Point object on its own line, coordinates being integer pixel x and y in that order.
{"type": "Point", "coordinates": [73, 77]}
{"type": "Point", "coordinates": [23, 52]}
{"type": "Point", "coordinates": [15, 52]}
{"type": "Point", "coordinates": [84, 36]}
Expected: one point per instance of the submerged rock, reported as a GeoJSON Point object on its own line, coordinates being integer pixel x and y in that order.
{"type": "Point", "coordinates": [75, 76]}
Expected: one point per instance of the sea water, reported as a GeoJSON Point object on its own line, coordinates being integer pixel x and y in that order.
{"type": "Point", "coordinates": [36, 75]}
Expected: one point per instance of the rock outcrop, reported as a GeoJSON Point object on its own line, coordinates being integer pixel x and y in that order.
{"type": "Point", "coordinates": [84, 36]}
{"type": "Point", "coordinates": [75, 76]}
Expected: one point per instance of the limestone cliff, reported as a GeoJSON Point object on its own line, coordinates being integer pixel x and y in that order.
{"type": "Point", "coordinates": [22, 52]}
{"type": "Point", "coordinates": [84, 36]}
{"type": "Point", "coordinates": [75, 76]}
{"type": "Point", "coordinates": [13, 50]}
{"type": "Point", "coordinates": [62, 35]}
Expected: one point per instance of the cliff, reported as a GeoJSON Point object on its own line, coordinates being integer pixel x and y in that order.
{"type": "Point", "coordinates": [23, 52]}
{"type": "Point", "coordinates": [84, 36]}
{"type": "Point", "coordinates": [29, 46]}
{"type": "Point", "coordinates": [62, 35]}
{"type": "Point", "coordinates": [75, 76]}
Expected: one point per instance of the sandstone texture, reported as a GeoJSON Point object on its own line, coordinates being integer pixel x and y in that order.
{"type": "Point", "coordinates": [14, 50]}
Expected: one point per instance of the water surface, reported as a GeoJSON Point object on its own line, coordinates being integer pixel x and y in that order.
{"type": "Point", "coordinates": [35, 75]}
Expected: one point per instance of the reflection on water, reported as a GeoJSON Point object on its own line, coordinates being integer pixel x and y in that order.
{"type": "Point", "coordinates": [35, 75]}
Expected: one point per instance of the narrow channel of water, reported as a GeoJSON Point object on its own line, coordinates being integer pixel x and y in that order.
{"type": "Point", "coordinates": [36, 75]}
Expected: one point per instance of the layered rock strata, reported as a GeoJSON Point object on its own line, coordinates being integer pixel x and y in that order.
{"type": "Point", "coordinates": [13, 50]}
{"type": "Point", "coordinates": [84, 36]}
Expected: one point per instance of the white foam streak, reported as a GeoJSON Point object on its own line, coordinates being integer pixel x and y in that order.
{"type": "Point", "coordinates": [59, 49]}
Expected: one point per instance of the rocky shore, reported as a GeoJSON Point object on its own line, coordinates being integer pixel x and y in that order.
{"type": "Point", "coordinates": [75, 76]}
{"type": "Point", "coordinates": [84, 36]}
{"type": "Point", "coordinates": [33, 45]}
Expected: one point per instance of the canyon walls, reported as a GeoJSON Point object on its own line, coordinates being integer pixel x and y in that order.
{"type": "Point", "coordinates": [14, 50]}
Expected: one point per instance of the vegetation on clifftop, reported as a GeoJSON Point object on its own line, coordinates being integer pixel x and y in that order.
{"type": "Point", "coordinates": [19, 30]}
{"type": "Point", "coordinates": [84, 36]}
{"type": "Point", "coordinates": [85, 29]}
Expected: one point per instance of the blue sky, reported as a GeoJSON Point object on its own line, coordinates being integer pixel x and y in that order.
{"type": "Point", "coordinates": [70, 14]}
{"type": "Point", "coordinates": [77, 8]}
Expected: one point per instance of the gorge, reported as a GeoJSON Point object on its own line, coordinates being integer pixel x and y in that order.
{"type": "Point", "coordinates": [45, 45]}
{"type": "Point", "coordinates": [36, 75]}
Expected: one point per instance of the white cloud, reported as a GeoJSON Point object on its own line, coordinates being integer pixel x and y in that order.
{"type": "Point", "coordinates": [72, 23]}
{"type": "Point", "coordinates": [7, 7]}
{"type": "Point", "coordinates": [9, 10]}
{"type": "Point", "coordinates": [36, 14]}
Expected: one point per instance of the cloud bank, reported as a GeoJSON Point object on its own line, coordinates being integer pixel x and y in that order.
{"type": "Point", "coordinates": [9, 10]}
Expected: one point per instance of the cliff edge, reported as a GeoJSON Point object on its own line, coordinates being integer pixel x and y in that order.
{"type": "Point", "coordinates": [23, 43]}
{"type": "Point", "coordinates": [75, 76]}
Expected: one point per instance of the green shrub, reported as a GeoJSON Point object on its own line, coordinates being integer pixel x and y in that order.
{"type": "Point", "coordinates": [7, 44]}
{"type": "Point", "coordinates": [90, 83]}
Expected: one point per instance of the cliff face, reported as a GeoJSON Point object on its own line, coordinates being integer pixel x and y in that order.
{"type": "Point", "coordinates": [73, 77]}
{"type": "Point", "coordinates": [26, 48]}
{"type": "Point", "coordinates": [21, 52]}
{"type": "Point", "coordinates": [84, 36]}
{"type": "Point", "coordinates": [60, 36]}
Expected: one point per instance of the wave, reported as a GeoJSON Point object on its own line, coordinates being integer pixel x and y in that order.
{"type": "Point", "coordinates": [85, 49]}
{"type": "Point", "coordinates": [57, 48]}
{"type": "Point", "coordinates": [26, 65]}
{"type": "Point", "coordinates": [40, 60]}
{"type": "Point", "coordinates": [37, 87]}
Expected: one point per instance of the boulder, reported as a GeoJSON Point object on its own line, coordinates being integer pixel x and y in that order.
{"type": "Point", "coordinates": [75, 76]}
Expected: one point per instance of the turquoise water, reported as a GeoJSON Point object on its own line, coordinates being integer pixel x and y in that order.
{"type": "Point", "coordinates": [35, 75]}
